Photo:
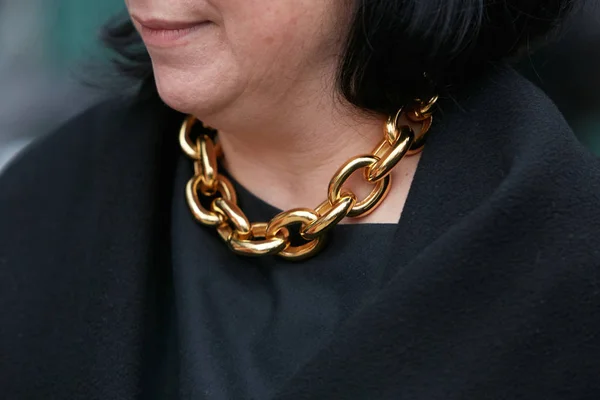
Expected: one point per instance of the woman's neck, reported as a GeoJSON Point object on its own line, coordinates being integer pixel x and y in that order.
{"type": "Point", "coordinates": [287, 154]}
{"type": "Point", "coordinates": [289, 163]}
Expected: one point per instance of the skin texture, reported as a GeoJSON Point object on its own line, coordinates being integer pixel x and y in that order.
{"type": "Point", "coordinates": [263, 73]}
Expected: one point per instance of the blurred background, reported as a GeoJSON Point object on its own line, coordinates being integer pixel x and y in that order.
{"type": "Point", "coordinates": [48, 46]}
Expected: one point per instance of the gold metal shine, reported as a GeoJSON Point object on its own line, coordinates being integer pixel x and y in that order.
{"type": "Point", "coordinates": [415, 115]}
{"type": "Point", "coordinates": [273, 238]}
{"type": "Point", "coordinates": [185, 141]}
{"type": "Point", "coordinates": [258, 244]}
{"type": "Point", "coordinates": [207, 165]}
{"type": "Point", "coordinates": [390, 158]}
{"type": "Point", "coordinates": [330, 216]}
{"type": "Point", "coordinates": [377, 195]}
{"type": "Point", "coordinates": [282, 221]}
{"type": "Point", "coordinates": [391, 127]}
{"type": "Point", "coordinates": [207, 217]}
{"type": "Point", "coordinates": [426, 107]}
{"type": "Point", "coordinates": [232, 214]}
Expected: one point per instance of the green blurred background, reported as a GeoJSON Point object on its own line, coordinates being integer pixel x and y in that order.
{"type": "Point", "coordinates": [73, 27]}
{"type": "Point", "coordinates": [46, 47]}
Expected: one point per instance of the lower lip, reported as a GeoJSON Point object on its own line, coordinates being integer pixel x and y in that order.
{"type": "Point", "coordinates": [168, 37]}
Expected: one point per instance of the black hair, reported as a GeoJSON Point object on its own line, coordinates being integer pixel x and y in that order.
{"type": "Point", "coordinates": [400, 50]}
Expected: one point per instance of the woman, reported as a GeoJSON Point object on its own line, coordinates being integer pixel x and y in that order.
{"type": "Point", "coordinates": [123, 247]}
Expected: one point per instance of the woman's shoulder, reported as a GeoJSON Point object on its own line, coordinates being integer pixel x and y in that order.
{"type": "Point", "coordinates": [503, 164]}
{"type": "Point", "coordinates": [519, 130]}
{"type": "Point", "coordinates": [78, 150]}
{"type": "Point", "coordinates": [87, 169]}
{"type": "Point", "coordinates": [76, 140]}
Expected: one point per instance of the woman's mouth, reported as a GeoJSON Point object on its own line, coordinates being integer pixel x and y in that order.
{"type": "Point", "coordinates": [165, 33]}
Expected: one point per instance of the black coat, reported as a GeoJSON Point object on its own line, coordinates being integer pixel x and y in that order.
{"type": "Point", "coordinates": [500, 298]}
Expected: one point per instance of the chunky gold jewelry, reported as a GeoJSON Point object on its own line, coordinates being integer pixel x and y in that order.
{"type": "Point", "coordinates": [208, 187]}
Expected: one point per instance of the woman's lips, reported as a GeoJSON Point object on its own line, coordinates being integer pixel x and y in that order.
{"type": "Point", "coordinates": [164, 33]}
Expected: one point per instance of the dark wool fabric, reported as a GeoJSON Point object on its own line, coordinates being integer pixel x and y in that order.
{"type": "Point", "coordinates": [487, 288]}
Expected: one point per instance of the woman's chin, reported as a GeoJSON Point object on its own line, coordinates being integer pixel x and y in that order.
{"type": "Point", "coordinates": [198, 91]}
{"type": "Point", "coordinates": [190, 98]}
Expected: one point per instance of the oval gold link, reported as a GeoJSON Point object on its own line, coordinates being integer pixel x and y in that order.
{"type": "Point", "coordinates": [418, 114]}
{"type": "Point", "coordinates": [377, 195]}
{"type": "Point", "coordinates": [391, 126]}
{"type": "Point", "coordinates": [417, 145]}
{"type": "Point", "coordinates": [203, 187]}
{"type": "Point", "coordinates": [207, 217]}
{"type": "Point", "coordinates": [419, 142]}
{"type": "Point", "coordinates": [391, 131]}
{"type": "Point", "coordinates": [233, 216]}
{"type": "Point", "coordinates": [259, 245]}
{"type": "Point", "coordinates": [203, 215]}
{"type": "Point", "coordinates": [303, 216]}
{"type": "Point", "coordinates": [185, 141]}
{"type": "Point", "coordinates": [392, 157]}
{"type": "Point", "coordinates": [208, 162]}
{"type": "Point", "coordinates": [331, 215]}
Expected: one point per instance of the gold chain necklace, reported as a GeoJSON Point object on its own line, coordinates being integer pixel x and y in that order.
{"type": "Point", "coordinates": [208, 187]}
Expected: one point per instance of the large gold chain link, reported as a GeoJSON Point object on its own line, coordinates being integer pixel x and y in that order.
{"type": "Point", "coordinates": [213, 201]}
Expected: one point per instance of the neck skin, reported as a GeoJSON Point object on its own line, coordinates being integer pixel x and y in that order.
{"type": "Point", "coordinates": [288, 157]}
